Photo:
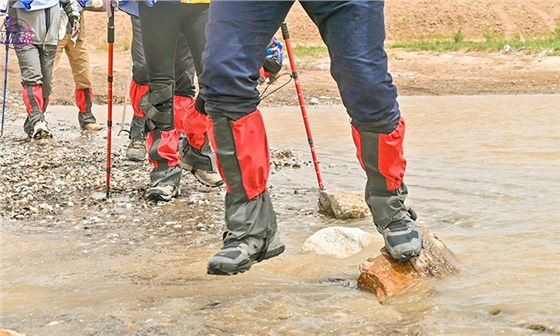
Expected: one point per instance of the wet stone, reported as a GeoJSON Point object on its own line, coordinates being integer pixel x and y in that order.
{"type": "Point", "coordinates": [342, 204]}
{"type": "Point", "coordinates": [336, 241]}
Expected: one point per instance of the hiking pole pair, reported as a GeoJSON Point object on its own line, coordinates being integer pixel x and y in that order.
{"type": "Point", "coordinates": [286, 37]}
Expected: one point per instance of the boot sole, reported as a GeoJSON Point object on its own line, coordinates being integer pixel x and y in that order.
{"type": "Point", "coordinates": [245, 266]}
{"type": "Point", "coordinates": [216, 270]}
{"type": "Point", "coordinates": [42, 134]}
{"type": "Point", "coordinates": [92, 129]}
{"type": "Point", "coordinates": [219, 184]}
{"type": "Point", "coordinates": [135, 159]}
{"type": "Point", "coordinates": [190, 169]}
{"type": "Point", "coordinates": [160, 197]}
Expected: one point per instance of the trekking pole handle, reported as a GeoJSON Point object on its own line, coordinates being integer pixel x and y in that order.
{"type": "Point", "coordinates": [111, 24]}
{"type": "Point", "coordinates": [285, 32]}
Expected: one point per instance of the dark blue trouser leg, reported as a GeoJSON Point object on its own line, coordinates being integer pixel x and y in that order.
{"type": "Point", "coordinates": [354, 32]}
{"type": "Point", "coordinates": [229, 87]}
{"type": "Point", "coordinates": [243, 29]}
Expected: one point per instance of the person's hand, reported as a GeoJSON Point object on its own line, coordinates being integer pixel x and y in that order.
{"type": "Point", "coordinates": [75, 25]}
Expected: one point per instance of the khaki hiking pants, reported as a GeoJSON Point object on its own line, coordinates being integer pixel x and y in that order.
{"type": "Point", "coordinates": [78, 58]}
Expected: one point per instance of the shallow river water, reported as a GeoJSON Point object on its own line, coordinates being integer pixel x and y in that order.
{"type": "Point", "coordinates": [483, 174]}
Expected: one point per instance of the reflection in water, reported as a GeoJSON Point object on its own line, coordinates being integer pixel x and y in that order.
{"type": "Point", "coordinates": [483, 174]}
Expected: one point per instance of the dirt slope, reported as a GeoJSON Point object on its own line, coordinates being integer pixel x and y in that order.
{"type": "Point", "coordinates": [415, 73]}
{"type": "Point", "coordinates": [411, 19]}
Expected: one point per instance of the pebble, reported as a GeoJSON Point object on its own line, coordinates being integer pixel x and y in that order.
{"type": "Point", "coordinates": [62, 184]}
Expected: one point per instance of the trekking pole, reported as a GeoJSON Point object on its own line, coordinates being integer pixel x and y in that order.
{"type": "Point", "coordinates": [5, 89]}
{"type": "Point", "coordinates": [286, 36]}
{"type": "Point", "coordinates": [127, 93]}
{"type": "Point", "coordinates": [110, 41]}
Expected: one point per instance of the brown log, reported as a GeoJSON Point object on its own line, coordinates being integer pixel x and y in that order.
{"type": "Point", "coordinates": [388, 278]}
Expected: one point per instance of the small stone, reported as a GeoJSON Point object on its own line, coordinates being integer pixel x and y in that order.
{"type": "Point", "coordinates": [342, 204]}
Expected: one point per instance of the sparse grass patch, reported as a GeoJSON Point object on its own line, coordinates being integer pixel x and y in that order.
{"type": "Point", "coordinates": [492, 35]}
{"type": "Point", "coordinates": [537, 45]}
{"type": "Point", "coordinates": [311, 50]}
{"type": "Point", "coordinates": [127, 44]}
{"type": "Point", "coordinates": [458, 37]}
{"type": "Point", "coordinates": [396, 57]}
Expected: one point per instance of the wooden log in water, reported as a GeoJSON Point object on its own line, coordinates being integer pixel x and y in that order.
{"type": "Point", "coordinates": [388, 278]}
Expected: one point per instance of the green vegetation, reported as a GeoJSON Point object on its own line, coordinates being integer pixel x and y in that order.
{"type": "Point", "coordinates": [459, 37]}
{"type": "Point", "coordinates": [493, 41]}
{"type": "Point", "coordinates": [311, 50]}
{"type": "Point", "coordinates": [127, 44]}
{"type": "Point", "coordinates": [493, 35]}
{"type": "Point", "coordinates": [102, 47]}
{"type": "Point", "coordinates": [552, 45]}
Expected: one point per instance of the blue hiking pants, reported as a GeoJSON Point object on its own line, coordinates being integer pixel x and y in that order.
{"type": "Point", "coordinates": [238, 33]}
{"type": "Point", "coordinates": [354, 32]}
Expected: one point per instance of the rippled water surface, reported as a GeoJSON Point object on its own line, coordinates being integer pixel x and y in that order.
{"type": "Point", "coordinates": [484, 174]}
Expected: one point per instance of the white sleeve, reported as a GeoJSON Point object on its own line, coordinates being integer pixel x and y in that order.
{"type": "Point", "coordinates": [3, 6]}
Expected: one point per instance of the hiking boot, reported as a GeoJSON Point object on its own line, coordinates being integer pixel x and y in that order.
{"type": "Point", "coordinates": [237, 256]}
{"type": "Point", "coordinates": [403, 239]}
{"type": "Point", "coordinates": [162, 193]}
{"type": "Point", "coordinates": [206, 177]}
{"type": "Point", "coordinates": [136, 150]}
{"type": "Point", "coordinates": [41, 131]}
{"type": "Point", "coordinates": [92, 127]}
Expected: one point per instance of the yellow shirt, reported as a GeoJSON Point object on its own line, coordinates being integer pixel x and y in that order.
{"type": "Point", "coordinates": [195, 1]}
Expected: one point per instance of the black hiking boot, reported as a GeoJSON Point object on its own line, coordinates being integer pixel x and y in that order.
{"type": "Point", "coordinates": [403, 239]}
{"type": "Point", "coordinates": [237, 256]}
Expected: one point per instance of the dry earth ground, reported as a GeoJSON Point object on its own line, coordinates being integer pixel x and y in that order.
{"type": "Point", "coordinates": [415, 72]}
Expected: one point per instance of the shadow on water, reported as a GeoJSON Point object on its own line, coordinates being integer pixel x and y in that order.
{"type": "Point", "coordinates": [483, 174]}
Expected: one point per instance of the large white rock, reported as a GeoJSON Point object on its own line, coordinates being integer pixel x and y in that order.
{"type": "Point", "coordinates": [337, 241]}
